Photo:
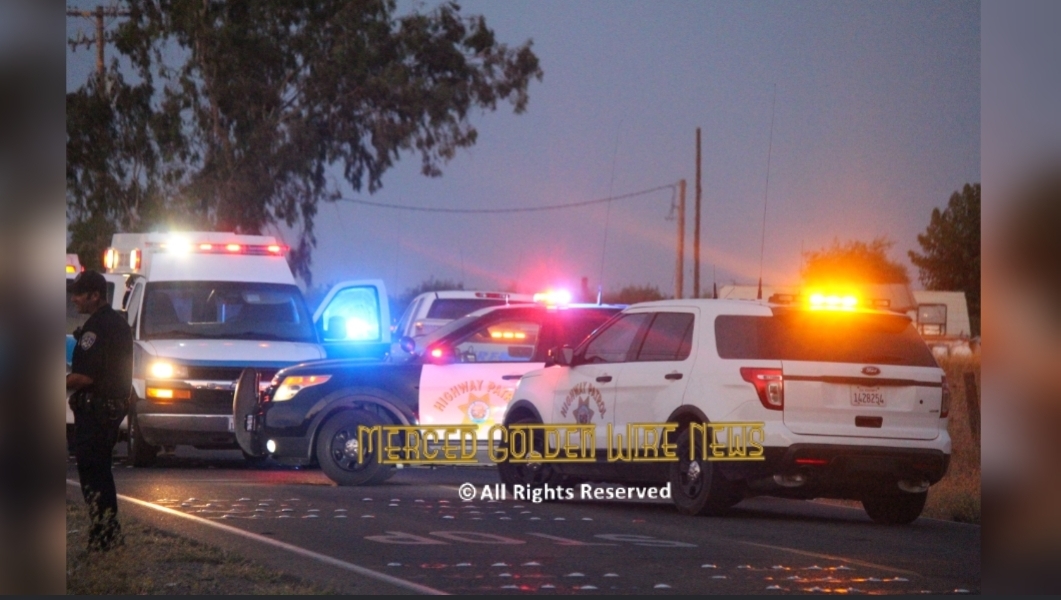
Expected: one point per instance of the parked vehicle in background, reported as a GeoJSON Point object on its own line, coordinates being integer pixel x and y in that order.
{"type": "Point", "coordinates": [464, 374]}
{"type": "Point", "coordinates": [431, 310]}
{"type": "Point", "coordinates": [852, 403]}
{"type": "Point", "coordinates": [206, 305]}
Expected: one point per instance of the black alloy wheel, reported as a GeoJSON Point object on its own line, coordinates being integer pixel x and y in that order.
{"type": "Point", "coordinates": [341, 455]}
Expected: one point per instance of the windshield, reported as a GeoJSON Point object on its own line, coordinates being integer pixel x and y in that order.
{"type": "Point", "coordinates": [226, 310]}
{"type": "Point", "coordinates": [823, 337]}
{"type": "Point", "coordinates": [447, 329]}
{"type": "Point", "coordinates": [453, 308]}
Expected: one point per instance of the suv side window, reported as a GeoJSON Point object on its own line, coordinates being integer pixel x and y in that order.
{"type": "Point", "coordinates": [614, 342]}
{"type": "Point", "coordinates": [669, 337]}
{"type": "Point", "coordinates": [504, 341]}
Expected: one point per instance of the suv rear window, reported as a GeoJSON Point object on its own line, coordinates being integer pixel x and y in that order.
{"type": "Point", "coordinates": [823, 337]}
{"type": "Point", "coordinates": [455, 308]}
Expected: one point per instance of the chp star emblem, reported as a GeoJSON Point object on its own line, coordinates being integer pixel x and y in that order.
{"type": "Point", "coordinates": [583, 414]}
{"type": "Point", "coordinates": [477, 409]}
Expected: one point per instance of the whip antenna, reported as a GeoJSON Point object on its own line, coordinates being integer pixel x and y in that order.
{"type": "Point", "coordinates": [766, 195]}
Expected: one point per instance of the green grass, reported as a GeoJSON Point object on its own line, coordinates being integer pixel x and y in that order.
{"type": "Point", "coordinates": [155, 562]}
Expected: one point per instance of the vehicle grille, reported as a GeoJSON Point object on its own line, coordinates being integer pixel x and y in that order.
{"type": "Point", "coordinates": [225, 373]}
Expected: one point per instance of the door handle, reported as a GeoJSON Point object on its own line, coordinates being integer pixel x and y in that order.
{"type": "Point", "coordinates": [604, 378]}
{"type": "Point", "coordinates": [511, 377]}
{"type": "Point", "coordinates": [673, 376]}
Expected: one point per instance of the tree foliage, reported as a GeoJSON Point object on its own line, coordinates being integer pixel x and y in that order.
{"type": "Point", "coordinates": [951, 248]}
{"type": "Point", "coordinates": [240, 112]}
{"type": "Point", "coordinates": [854, 262]}
{"type": "Point", "coordinates": [633, 294]}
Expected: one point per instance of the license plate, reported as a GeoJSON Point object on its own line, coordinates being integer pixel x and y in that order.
{"type": "Point", "coordinates": [866, 396]}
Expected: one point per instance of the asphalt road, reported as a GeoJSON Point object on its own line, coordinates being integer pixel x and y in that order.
{"type": "Point", "coordinates": [416, 529]}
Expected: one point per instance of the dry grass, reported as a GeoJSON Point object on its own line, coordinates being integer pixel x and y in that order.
{"type": "Point", "coordinates": [957, 496]}
{"type": "Point", "coordinates": [155, 562]}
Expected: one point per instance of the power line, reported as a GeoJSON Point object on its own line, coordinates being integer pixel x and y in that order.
{"type": "Point", "coordinates": [669, 186]}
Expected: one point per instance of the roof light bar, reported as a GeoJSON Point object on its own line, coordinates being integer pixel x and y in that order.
{"type": "Point", "coordinates": [833, 301]}
{"type": "Point", "coordinates": [553, 297]}
{"type": "Point", "coordinates": [229, 248]}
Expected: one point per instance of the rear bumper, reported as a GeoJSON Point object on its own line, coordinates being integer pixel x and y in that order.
{"type": "Point", "coordinates": [837, 471]}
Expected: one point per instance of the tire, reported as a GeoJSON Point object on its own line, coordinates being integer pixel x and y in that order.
{"type": "Point", "coordinates": [337, 450]}
{"type": "Point", "coordinates": [895, 509]}
{"type": "Point", "coordinates": [696, 487]}
{"type": "Point", "coordinates": [141, 454]}
{"type": "Point", "coordinates": [530, 474]}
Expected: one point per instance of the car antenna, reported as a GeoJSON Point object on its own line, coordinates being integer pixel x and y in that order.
{"type": "Point", "coordinates": [766, 192]}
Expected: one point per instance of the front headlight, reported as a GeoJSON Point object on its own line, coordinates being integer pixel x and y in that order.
{"type": "Point", "coordinates": [294, 384]}
{"type": "Point", "coordinates": [168, 370]}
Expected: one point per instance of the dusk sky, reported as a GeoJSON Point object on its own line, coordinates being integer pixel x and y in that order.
{"type": "Point", "coordinates": [877, 122]}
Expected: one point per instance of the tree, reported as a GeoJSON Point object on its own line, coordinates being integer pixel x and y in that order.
{"type": "Point", "coordinates": [854, 263]}
{"type": "Point", "coordinates": [241, 111]}
{"type": "Point", "coordinates": [633, 294]}
{"type": "Point", "coordinates": [951, 246]}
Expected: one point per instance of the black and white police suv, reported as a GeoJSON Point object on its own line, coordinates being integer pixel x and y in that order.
{"type": "Point", "coordinates": [852, 403]}
{"type": "Point", "coordinates": [464, 374]}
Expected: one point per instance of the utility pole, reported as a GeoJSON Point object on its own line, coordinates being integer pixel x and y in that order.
{"type": "Point", "coordinates": [679, 281]}
{"type": "Point", "coordinates": [696, 226]}
{"type": "Point", "coordinates": [98, 14]}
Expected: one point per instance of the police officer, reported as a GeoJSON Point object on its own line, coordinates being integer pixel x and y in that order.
{"type": "Point", "coordinates": [101, 377]}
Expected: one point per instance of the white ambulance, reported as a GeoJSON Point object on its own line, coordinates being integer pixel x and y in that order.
{"type": "Point", "coordinates": [206, 305]}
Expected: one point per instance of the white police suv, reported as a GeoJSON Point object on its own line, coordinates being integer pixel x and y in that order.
{"type": "Point", "coordinates": [850, 403]}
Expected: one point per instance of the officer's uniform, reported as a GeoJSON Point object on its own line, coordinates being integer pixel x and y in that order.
{"type": "Point", "coordinates": [104, 352]}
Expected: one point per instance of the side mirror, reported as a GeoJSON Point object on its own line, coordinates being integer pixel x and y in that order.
{"type": "Point", "coordinates": [407, 344]}
{"type": "Point", "coordinates": [560, 355]}
{"type": "Point", "coordinates": [336, 329]}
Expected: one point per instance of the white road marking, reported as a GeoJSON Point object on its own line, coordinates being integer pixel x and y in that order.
{"type": "Point", "coordinates": [408, 585]}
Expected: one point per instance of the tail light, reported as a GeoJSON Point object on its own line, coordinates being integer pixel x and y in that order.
{"type": "Point", "coordinates": [768, 384]}
{"type": "Point", "coordinates": [944, 405]}
{"type": "Point", "coordinates": [134, 259]}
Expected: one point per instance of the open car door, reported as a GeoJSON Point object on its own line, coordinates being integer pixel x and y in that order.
{"type": "Point", "coordinates": [353, 320]}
